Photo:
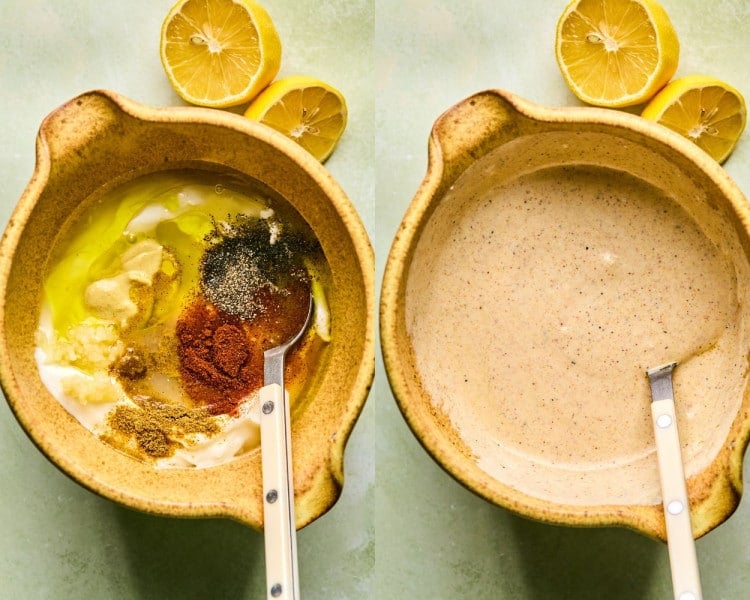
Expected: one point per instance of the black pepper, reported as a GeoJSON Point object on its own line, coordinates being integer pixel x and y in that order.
{"type": "Point", "coordinates": [247, 261]}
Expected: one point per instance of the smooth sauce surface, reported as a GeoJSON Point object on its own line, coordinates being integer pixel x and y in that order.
{"type": "Point", "coordinates": [536, 305]}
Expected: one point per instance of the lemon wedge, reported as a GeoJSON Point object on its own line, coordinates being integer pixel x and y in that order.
{"type": "Point", "coordinates": [219, 53]}
{"type": "Point", "coordinates": [616, 52]}
{"type": "Point", "coordinates": [306, 110]}
{"type": "Point", "coordinates": [704, 109]}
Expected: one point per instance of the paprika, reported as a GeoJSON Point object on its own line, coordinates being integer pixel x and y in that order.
{"type": "Point", "coordinates": [219, 365]}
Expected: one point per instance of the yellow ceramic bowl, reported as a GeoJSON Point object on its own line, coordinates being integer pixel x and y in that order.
{"type": "Point", "coordinates": [99, 139]}
{"type": "Point", "coordinates": [522, 373]}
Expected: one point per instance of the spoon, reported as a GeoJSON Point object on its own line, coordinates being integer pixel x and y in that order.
{"type": "Point", "coordinates": [683, 562]}
{"type": "Point", "coordinates": [280, 533]}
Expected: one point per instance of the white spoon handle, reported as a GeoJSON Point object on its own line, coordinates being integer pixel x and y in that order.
{"type": "Point", "coordinates": [280, 534]}
{"type": "Point", "coordinates": [682, 557]}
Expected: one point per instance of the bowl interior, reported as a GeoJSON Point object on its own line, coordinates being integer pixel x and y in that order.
{"type": "Point", "coordinates": [100, 141]}
{"type": "Point", "coordinates": [539, 285]}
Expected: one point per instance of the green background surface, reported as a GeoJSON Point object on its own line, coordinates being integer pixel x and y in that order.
{"type": "Point", "coordinates": [402, 528]}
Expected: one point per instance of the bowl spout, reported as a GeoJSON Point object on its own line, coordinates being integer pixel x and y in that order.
{"type": "Point", "coordinates": [75, 124]}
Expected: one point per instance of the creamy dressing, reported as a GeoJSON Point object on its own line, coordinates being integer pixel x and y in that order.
{"type": "Point", "coordinates": [536, 302]}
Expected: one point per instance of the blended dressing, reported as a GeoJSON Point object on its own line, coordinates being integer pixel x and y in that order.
{"type": "Point", "coordinates": [159, 301]}
{"type": "Point", "coordinates": [536, 303]}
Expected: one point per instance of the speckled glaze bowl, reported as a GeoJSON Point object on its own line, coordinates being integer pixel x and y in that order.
{"type": "Point", "coordinates": [99, 139]}
{"type": "Point", "coordinates": [489, 139]}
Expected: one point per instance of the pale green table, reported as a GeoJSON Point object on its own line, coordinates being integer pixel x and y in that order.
{"type": "Point", "coordinates": [403, 528]}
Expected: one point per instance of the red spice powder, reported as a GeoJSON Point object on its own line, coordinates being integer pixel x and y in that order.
{"type": "Point", "coordinates": [219, 363]}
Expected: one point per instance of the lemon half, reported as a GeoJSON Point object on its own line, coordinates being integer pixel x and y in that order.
{"type": "Point", "coordinates": [219, 53]}
{"type": "Point", "coordinates": [306, 110]}
{"type": "Point", "coordinates": [616, 52]}
{"type": "Point", "coordinates": [704, 109]}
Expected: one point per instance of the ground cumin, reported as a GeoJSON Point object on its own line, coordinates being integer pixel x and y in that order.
{"type": "Point", "coordinates": [154, 428]}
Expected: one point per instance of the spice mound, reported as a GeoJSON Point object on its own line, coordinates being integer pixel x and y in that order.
{"type": "Point", "coordinates": [152, 427]}
{"type": "Point", "coordinates": [219, 366]}
{"type": "Point", "coordinates": [161, 300]}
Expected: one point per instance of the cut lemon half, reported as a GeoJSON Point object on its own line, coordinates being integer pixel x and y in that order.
{"type": "Point", "coordinates": [704, 109]}
{"type": "Point", "coordinates": [616, 52]}
{"type": "Point", "coordinates": [306, 110]}
{"type": "Point", "coordinates": [219, 52]}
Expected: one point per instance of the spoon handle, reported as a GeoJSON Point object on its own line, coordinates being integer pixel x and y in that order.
{"type": "Point", "coordinates": [683, 562]}
{"type": "Point", "coordinates": [280, 535]}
